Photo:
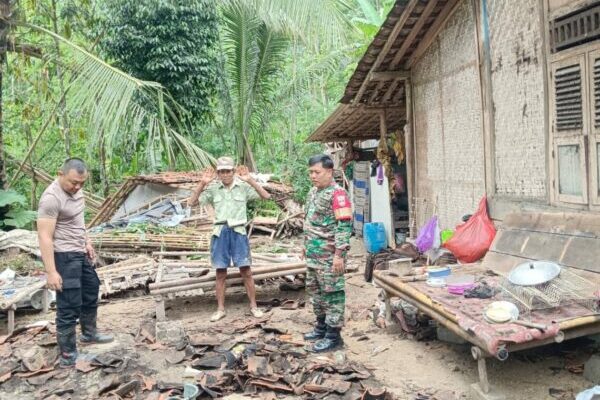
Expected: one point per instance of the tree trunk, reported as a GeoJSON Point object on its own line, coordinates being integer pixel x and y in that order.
{"type": "Point", "coordinates": [62, 108]}
{"type": "Point", "coordinates": [34, 181]}
{"type": "Point", "coordinates": [103, 170]}
{"type": "Point", "coordinates": [248, 156]}
{"type": "Point", "coordinates": [5, 16]}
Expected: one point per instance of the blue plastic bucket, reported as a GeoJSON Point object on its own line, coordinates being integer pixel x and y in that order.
{"type": "Point", "coordinates": [374, 237]}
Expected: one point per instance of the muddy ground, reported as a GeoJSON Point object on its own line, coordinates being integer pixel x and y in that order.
{"type": "Point", "coordinates": [407, 368]}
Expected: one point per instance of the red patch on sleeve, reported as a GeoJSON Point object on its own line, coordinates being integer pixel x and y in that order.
{"type": "Point", "coordinates": [341, 205]}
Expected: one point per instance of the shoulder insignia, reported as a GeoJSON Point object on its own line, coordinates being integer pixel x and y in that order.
{"type": "Point", "coordinates": [341, 205]}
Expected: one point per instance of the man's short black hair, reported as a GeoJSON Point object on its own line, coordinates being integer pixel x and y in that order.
{"type": "Point", "coordinates": [74, 163]}
{"type": "Point", "coordinates": [325, 161]}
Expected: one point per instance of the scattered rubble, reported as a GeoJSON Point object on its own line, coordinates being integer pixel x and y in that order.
{"type": "Point", "coordinates": [244, 356]}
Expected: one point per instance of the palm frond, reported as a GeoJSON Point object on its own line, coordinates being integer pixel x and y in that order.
{"type": "Point", "coordinates": [313, 21]}
{"type": "Point", "coordinates": [119, 107]}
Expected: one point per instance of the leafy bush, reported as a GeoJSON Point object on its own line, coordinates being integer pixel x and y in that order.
{"type": "Point", "coordinates": [16, 216]}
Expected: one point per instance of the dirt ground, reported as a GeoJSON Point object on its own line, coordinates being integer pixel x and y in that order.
{"type": "Point", "coordinates": [409, 369]}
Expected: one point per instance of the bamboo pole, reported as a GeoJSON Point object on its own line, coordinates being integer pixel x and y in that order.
{"type": "Point", "coordinates": [414, 294]}
{"type": "Point", "coordinates": [138, 266]}
{"type": "Point", "coordinates": [448, 323]}
{"type": "Point", "coordinates": [268, 258]}
{"type": "Point", "coordinates": [21, 294]}
{"type": "Point", "coordinates": [211, 276]}
{"type": "Point", "coordinates": [230, 281]}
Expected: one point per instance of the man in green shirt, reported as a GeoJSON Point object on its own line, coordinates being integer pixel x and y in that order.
{"type": "Point", "coordinates": [229, 245]}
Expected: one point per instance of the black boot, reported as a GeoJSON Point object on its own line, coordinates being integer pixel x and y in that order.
{"type": "Point", "coordinates": [67, 346]}
{"type": "Point", "coordinates": [319, 331]}
{"type": "Point", "coordinates": [331, 341]}
{"type": "Point", "coordinates": [89, 333]}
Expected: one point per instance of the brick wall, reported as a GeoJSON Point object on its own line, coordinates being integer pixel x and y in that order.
{"type": "Point", "coordinates": [518, 95]}
{"type": "Point", "coordinates": [448, 121]}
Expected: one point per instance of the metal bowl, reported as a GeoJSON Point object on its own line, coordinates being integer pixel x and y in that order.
{"type": "Point", "coordinates": [534, 273]}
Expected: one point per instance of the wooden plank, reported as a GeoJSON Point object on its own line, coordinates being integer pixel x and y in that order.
{"type": "Point", "coordinates": [574, 224]}
{"type": "Point", "coordinates": [389, 75]}
{"type": "Point", "coordinates": [542, 246]}
{"type": "Point", "coordinates": [380, 86]}
{"type": "Point", "coordinates": [583, 253]}
{"type": "Point", "coordinates": [434, 30]}
{"type": "Point", "coordinates": [390, 90]}
{"type": "Point", "coordinates": [387, 46]}
{"type": "Point", "coordinates": [413, 34]}
{"type": "Point", "coordinates": [509, 242]}
{"type": "Point", "coordinates": [500, 263]}
{"type": "Point", "coordinates": [531, 245]}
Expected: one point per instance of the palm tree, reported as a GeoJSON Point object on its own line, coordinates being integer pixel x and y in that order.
{"type": "Point", "coordinates": [116, 106]}
{"type": "Point", "coordinates": [256, 38]}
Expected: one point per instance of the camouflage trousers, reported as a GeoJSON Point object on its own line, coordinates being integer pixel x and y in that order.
{"type": "Point", "coordinates": [327, 295]}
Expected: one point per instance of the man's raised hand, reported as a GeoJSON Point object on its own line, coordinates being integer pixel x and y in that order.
{"type": "Point", "coordinates": [243, 173]}
{"type": "Point", "coordinates": [208, 175]}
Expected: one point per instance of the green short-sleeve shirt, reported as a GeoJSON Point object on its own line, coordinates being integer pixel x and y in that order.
{"type": "Point", "coordinates": [229, 204]}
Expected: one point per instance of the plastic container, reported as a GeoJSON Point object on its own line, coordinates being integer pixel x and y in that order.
{"type": "Point", "coordinates": [459, 283]}
{"type": "Point", "coordinates": [440, 272]}
{"type": "Point", "coordinates": [374, 237]}
{"type": "Point", "coordinates": [436, 282]}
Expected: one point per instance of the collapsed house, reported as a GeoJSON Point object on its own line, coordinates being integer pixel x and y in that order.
{"type": "Point", "coordinates": [461, 99]}
{"type": "Point", "coordinates": [158, 204]}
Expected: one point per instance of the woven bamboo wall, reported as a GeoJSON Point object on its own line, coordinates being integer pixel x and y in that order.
{"type": "Point", "coordinates": [448, 121]}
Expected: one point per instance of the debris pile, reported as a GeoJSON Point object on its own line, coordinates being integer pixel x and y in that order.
{"type": "Point", "coordinates": [129, 241]}
{"type": "Point", "coordinates": [256, 357]}
{"type": "Point", "coordinates": [22, 287]}
{"type": "Point", "coordinates": [125, 275]}
{"type": "Point", "coordinates": [161, 199]}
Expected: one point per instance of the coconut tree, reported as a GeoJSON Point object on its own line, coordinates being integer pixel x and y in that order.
{"type": "Point", "coordinates": [256, 38]}
{"type": "Point", "coordinates": [116, 106]}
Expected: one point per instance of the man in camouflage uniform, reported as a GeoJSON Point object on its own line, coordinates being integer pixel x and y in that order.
{"type": "Point", "coordinates": [327, 230]}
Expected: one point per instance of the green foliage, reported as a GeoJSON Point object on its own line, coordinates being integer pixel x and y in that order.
{"type": "Point", "coordinates": [282, 66]}
{"type": "Point", "coordinates": [173, 42]}
{"type": "Point", "coordinates": [10, 197]}
{"type": "Point", "coordinates": [16, 216]}
{"type": "Point", "coordinates": [254, 54]}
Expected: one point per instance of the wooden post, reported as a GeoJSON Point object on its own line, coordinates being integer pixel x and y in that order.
{"type": "Point", "coordinates": [388, 308]}
{"type": "Point", "coordinates": [487, 102]}
{"type": "Point", "coordinates": [478, 355]}
{"type": "Point", "coordinates": [160, 308]}
{"type": "Point", "coordinates": [382, 125]}
{"type": "Point", "coordinates": [45, 300]}
{"type": "Point", "coordinates": [483, 378]}
{"type": "Point", "coordinates": [411, 157]}
{"type": "Point", "coordinates": [11, 318]}
{"type": "Point", "coordinates": [383, 138]}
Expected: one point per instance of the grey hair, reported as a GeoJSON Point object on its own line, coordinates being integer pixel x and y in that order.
{"type": "Point", "coordinates": [74, 163]}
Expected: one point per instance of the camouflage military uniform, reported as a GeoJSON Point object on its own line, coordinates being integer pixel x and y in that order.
{"type": "Point", "coordinates": [327, 228]}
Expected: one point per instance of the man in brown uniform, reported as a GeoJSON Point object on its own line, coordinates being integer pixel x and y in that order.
{"type": "Point", "coordinates": [68, 255]}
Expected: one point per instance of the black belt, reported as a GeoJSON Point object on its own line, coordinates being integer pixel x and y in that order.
{"type": "Point", "coordinates": [230, 226]}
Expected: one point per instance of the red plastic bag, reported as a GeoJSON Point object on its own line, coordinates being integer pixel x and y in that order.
{"type": "Point", "coordinates": [473, 239]}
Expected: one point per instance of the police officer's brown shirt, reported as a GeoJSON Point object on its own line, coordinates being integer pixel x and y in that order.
{"type": "Point", "coordinates": [67, 209]}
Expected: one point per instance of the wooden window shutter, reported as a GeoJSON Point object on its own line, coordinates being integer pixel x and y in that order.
{"type": "Point", "coordinates": [570, 123]}
{"type": "Point", "coordinates": [596, 91]}
{"type": "Point", "coordinates": [568, 98]}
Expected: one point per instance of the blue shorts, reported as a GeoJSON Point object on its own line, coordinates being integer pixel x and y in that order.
{"type": "Point", "coordinates": [230, 248]}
